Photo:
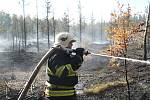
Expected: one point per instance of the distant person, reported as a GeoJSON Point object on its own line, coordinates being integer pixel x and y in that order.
{"type": "Point", "coordinates": [62, 67]}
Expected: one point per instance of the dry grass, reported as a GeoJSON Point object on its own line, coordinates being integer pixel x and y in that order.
{"type": "Point", "coordinates": [99, 88]}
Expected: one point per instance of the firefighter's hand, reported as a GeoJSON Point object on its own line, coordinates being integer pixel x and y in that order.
{"type": "Point", "coordinates": [80, 51]}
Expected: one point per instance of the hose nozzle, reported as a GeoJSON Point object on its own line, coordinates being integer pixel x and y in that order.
{"type": "Point", "coordinates": [86, 52]}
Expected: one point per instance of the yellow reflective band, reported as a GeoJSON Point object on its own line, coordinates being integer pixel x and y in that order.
{"type": "Point", "coordinates": [48, 71]}
{"type": "Point", "coordinates": [50, 86]}
{"type": "Point", "coordinates": [71, 72]}
{"type": "Point", "coordinates": [59, 71]}
{"type": "Point", "coordinates": [59, 92]}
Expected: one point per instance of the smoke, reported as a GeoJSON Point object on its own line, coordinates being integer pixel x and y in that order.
{"type": "Point", "coordinates": [4, 44]}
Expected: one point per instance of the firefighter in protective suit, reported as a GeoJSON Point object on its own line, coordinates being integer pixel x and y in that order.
{"type": "Point", "coordinates": [61, 70]}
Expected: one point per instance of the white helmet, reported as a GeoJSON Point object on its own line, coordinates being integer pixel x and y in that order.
{"type": "Point", "coordinates": [63, 39]}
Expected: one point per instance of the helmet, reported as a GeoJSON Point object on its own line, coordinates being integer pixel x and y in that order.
{"type": "Point", "coordinates": [64, 38]}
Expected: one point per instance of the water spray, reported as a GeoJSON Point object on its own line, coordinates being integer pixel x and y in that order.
{"type": "Point", "coordinates": [122, 58]}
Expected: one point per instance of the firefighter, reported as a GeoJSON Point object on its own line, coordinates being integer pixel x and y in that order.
{"type": "Point", "coordinates": [62, 67]}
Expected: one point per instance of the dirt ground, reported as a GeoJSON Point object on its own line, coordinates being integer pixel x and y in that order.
{"type": "Point", "coordinates": [16, 69]}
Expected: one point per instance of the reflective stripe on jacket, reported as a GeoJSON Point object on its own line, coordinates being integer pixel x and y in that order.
{"type": "Point", "coordinates": [49, 93]}
{"type": "Point", "coordinates": [56, 90]}
{"type": "Point", "coordinates": [60, 90]}
{"type": "Point", "coordinates": [60, 70]}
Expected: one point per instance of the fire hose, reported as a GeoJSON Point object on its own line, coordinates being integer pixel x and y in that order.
{"type": "Point", "coordinates": [44, 59]}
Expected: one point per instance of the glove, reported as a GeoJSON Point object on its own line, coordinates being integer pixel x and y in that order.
{"type": "Point", "coordinates": [82, 51]}
{"type": "Point", "coordinates": [79, 51]}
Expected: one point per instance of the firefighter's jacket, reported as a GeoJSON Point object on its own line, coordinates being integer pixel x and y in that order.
{"type": "Point", "coordinates": [61, 70]}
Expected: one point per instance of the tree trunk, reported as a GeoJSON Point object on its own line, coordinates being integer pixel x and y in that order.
{"type": "Point", "coordinates": [146, 36]}
{"type": "Point", "coordinates": [37, 27]}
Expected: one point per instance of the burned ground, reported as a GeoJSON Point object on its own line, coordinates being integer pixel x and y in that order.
{"type": "Point", "coordinates": [16, 69]}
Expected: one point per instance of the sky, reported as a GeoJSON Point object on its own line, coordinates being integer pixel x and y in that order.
{"type": "Point", "coordinates": [100, 9]}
